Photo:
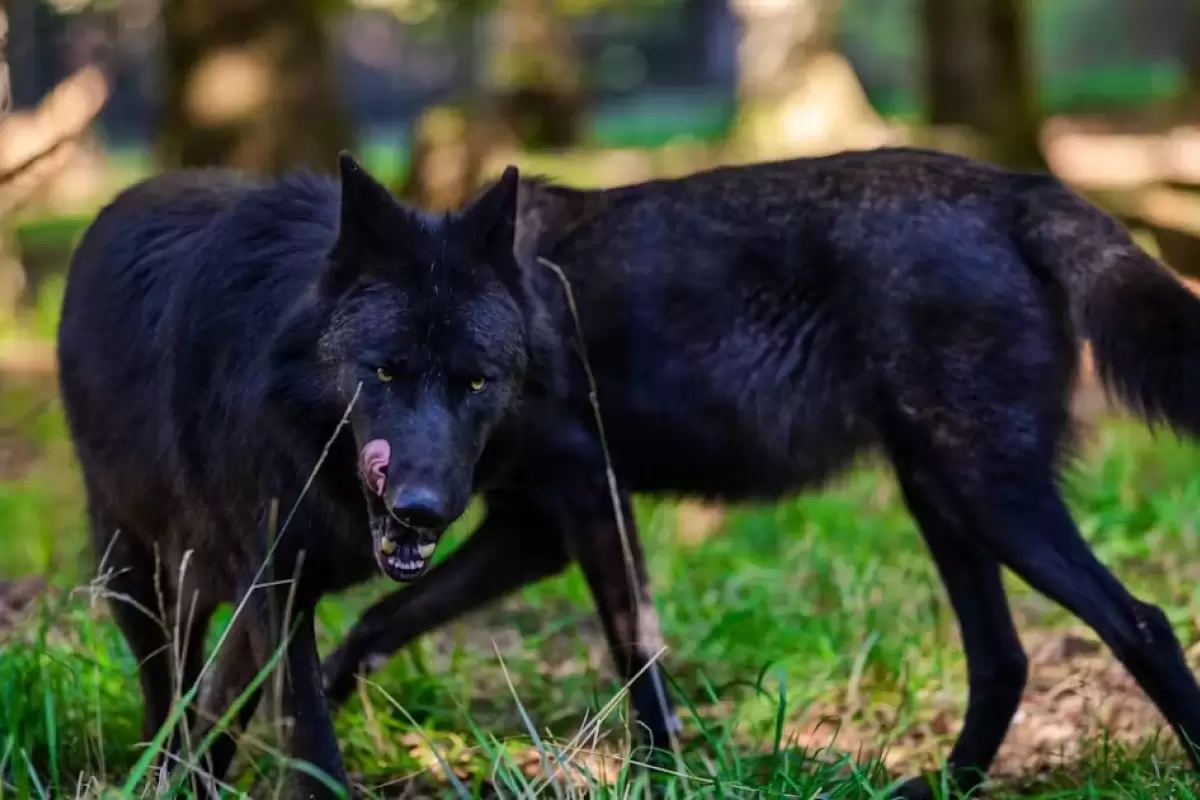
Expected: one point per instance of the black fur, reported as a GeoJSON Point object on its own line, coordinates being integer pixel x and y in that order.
{"type": "Point", "coordinates": [214, 332]}
{"type": "Point", "coordinates": [754, 329]}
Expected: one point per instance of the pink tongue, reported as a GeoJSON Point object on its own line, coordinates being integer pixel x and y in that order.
{"type": "Point", "coordinates": [374, 462]}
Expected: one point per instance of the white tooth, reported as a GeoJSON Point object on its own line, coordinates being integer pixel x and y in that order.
{"type": "Point", "coordinates": [387, 546]}
{"type": "Point", "coordinates": [426, 550]}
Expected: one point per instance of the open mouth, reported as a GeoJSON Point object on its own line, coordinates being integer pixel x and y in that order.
{"type": "Point", "coordinates": [402, 552]}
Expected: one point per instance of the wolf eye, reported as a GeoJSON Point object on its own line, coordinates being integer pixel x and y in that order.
{"type": "Point", "coordinates": [477, 383]}
{"type": "Point", "coordinates": [383, 375]}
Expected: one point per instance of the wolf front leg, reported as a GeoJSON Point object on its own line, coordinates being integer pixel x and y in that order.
{"type": "Point", "coordinates": [318, 771]}
{"type": "Point", "coordinates": [240, 658]}
{"type": "Point", "coordinates": [615, 570]}
{"type": "Point", "coordinates": [258, 631]}
{"type": "Point", "coordinates": [516, 544]}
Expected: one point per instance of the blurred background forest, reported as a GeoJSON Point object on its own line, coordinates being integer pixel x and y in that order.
{"type": "Point", "coordinates": [438, 94]}
{"type": "Point", "coordinates": [833, 593]}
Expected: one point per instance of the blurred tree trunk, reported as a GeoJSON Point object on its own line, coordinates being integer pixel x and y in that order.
{"type": "Point", "coordinates": [35, 55]}
{"type": "Point", "coordinates": [250, 84]}
{"type": "Point", "coordinates": [5, 84]}
{"type": "Point", "coordinates": [449, 142]}
{"type": "Point", "coordinates": [12, 276]}
{"type": "Point", "coordinates": [796, 94]}
{"type": "Point", "coordinates": [532, 99]}
{"type": "Point", "coordinates": [979, 77]}
{"type": "Point", "coordinates": [1190, 106]}
{"type": "Point", "coordinates": [536, 75]}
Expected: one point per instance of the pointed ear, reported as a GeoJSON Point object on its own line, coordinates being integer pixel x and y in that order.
{"type": "Point", "coordinates": [365, 203]}
{"type": "Point", "coordinates": [492, 216]}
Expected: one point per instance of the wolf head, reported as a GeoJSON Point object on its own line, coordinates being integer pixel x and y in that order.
{"type": "Point", "coordinates": [429, 319]}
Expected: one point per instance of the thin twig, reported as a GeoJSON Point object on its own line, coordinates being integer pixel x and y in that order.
{"type": "Point", "coordinates": [614, 495]}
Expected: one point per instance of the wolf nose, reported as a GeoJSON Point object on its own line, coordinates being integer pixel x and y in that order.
{"type": "Point", "coordinates": [420, 507]}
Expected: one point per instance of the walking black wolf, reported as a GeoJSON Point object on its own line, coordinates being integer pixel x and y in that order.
{"type": "Point", "coordinates": [752, 329]}
{"type": "Point", "coordinates": [214, 332]}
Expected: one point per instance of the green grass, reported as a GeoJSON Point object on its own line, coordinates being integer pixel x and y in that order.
{"type": "Point", "coordinates": [825, 599]}
{"type": "Point", "coordinates": [824, 602]}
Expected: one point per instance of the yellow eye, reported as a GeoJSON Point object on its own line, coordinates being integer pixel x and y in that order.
{"type": "Point", "coordinates": [478, 383]}
{"type": "Point", "coordinates": [383, 375]}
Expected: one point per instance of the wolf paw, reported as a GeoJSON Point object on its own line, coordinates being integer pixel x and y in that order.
{"type": "Point", "coordinates": [914, 789]}
{"type": "Point", "coordinates": [922, 788]}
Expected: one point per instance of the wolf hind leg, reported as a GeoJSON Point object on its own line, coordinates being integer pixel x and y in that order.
{"type": "Point", "coordinates": [166, 637]}
{"type": "Point", "coordinates": [997, 665]}
{"type": "Point", "coordinates": [1026, 525]}
{"type": "Point", "coordinates": [1038, 540]}
{"type": "Point", "coordinates": [132, 581]}
{"type": "Point", "coordinates": [991, 447]}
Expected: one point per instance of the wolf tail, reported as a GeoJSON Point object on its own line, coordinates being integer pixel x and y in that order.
{"type": "Point", "coordinates": [1142, 323]}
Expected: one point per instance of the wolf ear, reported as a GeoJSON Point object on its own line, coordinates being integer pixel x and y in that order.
{"type": "Point", "coordinates": [492, 216]}
{"type": "Point", "coordinates": [365, 203]}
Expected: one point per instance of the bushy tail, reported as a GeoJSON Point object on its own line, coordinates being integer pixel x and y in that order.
{"type": "Point", "coordinates": [1142, 323]}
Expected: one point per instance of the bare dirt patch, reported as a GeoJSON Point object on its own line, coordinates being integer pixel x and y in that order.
{"type": "Point", "coordinates": [1078, 695]}
{"type": "Point", "coordinates": [27, 389]}
{"type": "Point", "coordinates": [16, 597]}
{"type": "Point", "coordinates": [16, 455]}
